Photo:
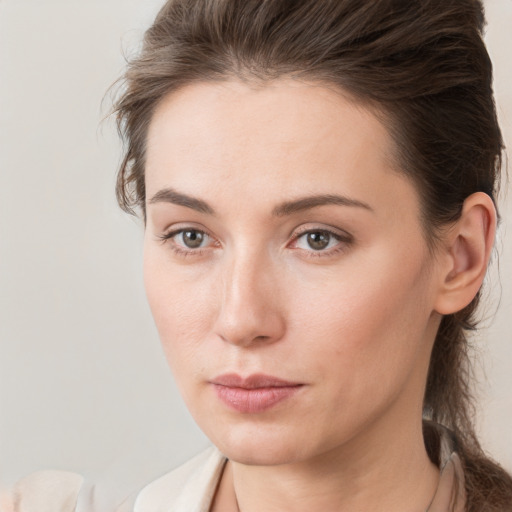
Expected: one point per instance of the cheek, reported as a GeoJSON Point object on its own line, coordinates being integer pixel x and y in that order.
{"type": "Point", "coordinates": [369, 321]}
{"type": "Point", "coordinates": [182, 311]}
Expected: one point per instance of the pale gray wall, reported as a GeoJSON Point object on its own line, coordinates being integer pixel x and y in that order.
{"type": "Point", "coordinates": [83, 383]}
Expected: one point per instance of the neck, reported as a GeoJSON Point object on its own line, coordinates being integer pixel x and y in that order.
{"type": "Point", "coordinates": [396, 475]}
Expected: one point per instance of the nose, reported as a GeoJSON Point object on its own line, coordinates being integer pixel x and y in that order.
{"type": "Point", "coordinates": [250, 312]}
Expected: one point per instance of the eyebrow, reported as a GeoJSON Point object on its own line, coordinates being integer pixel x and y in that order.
{"type": "Point", "coordinates": [306, 203]}
{"type": "Point", "coordinates": [169, 195]}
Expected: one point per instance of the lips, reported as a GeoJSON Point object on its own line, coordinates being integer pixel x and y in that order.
{"type": "Point", "coordinates": [253, 394]}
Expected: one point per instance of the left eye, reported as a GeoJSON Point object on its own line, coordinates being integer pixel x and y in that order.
{"type": "Point", "coordinates": [318, 240]}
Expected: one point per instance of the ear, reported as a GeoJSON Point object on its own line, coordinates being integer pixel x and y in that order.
{"type": "Point", "coordinates": [466, 250]}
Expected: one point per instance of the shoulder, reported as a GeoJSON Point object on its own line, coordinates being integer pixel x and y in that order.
{"type": "Point", "coordinates": [189, 488]}
{"type": "Point", "coordinates": [46, 491]}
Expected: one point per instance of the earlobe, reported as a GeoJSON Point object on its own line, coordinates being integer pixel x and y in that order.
{"type": "Point", "coordinates": [467, 250]}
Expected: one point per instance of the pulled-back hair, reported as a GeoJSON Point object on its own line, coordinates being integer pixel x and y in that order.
{"type": "Point", "coordinates": [423, 68]}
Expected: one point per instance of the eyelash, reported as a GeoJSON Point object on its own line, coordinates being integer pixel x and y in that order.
{"type": "Point", "coordinates": [344, 240]}
{"type": "Point", "coordinates": [181, 251]}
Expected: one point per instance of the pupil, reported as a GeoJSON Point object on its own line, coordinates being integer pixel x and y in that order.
{"type": "Point", "coordinates": [193, 239]}
{"type": "Point", "coordinates": [318, 240]}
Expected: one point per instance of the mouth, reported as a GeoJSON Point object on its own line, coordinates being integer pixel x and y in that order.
{"type": "Point", "coordinates": [253, 394]}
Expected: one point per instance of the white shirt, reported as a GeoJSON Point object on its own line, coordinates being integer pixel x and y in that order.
{"type": "Point", "coordinates": [191, 488]}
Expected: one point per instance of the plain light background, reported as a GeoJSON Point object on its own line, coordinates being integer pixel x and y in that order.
{"type": "Point", "coordinates": [83, 382]}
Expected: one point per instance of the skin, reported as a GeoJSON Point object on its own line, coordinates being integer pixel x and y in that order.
{"type": "Point", "coordinates": [354, 323]}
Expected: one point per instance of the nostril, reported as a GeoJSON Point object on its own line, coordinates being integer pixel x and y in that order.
{"type": "Point", "coordinates": [247, 337]}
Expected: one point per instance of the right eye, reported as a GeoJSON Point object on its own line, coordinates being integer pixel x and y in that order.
{"type": "Point", "coordinates": [191, 238]}
{"type": "Point", "coordinates": [188, 241]}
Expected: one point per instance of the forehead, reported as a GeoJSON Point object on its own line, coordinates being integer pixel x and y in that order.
{"type": "Point", "coordinates": [284, 137]}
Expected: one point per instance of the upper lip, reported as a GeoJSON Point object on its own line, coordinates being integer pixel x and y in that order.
{"type": "Point", "coordinates": [254, 381]}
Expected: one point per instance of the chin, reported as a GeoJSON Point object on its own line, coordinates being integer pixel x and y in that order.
{"type": "Point", "coordinates": [260, 445]}
{"type": "Point", "coordinates": [268, 454]}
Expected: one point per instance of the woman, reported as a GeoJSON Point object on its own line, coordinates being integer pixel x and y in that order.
{"type": "Point", "coordinates": [318, 181]}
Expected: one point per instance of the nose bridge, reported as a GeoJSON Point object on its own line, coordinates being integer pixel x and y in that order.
{"type": "Point", "coordinates": [249, 310]}
{"type": "Point", "coordinates": [243, 276]}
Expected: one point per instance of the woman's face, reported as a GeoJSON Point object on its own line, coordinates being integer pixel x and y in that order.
{"type": "Point", "coordinates": [286, 269]}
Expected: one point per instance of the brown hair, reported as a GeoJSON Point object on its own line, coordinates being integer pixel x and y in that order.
{"type": "Point", "coordinates": [422, 63]}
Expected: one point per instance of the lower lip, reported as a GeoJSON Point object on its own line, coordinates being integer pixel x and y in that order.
{"type": "Point", "coordinates": [254, 400]}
